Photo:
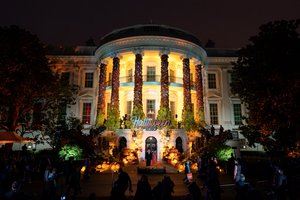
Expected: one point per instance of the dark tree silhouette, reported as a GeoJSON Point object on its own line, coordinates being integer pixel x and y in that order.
{"type": "Point", "coordinates": [266, 78]}
{"type": "Point", "coordinates": [28, 83]}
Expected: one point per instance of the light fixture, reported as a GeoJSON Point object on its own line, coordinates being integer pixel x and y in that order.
{"type": "Point", "coordinates": [168, 136]}
{"type": "Point", "coordinates": [151, 111]}
{"type": "Point", "coordinates": [134, 136]}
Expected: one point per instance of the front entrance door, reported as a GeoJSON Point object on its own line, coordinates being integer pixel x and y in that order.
{"type": "Point", "coordinates": [151, 143]}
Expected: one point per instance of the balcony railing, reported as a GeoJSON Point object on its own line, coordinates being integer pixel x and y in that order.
{"type": "Point", "coordinates": [152, 79]}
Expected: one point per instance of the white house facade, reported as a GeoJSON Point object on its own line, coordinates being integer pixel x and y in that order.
{"type": "Point", "coordinates": [156, 54]}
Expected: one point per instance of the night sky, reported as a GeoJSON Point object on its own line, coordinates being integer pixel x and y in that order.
{"type": "Point", "coordinates": [229, 23]}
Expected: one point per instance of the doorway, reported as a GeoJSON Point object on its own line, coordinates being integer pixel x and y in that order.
{"type": "Point", "coordinates": [122, 143]}
{"type": "Point", "coordinates": [179, 144]}
{"type": "Point", "coordinates": [151, 143]}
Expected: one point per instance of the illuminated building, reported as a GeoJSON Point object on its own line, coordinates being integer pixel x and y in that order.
{"type": "Point", "coordinates": [143, 58]}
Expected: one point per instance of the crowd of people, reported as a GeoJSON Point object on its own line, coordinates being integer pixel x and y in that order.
{"type": "Point", "coordinates": [162, 191]}
{"type": "Point", "coordinates": [17, 169]}
{"type": "Point", "coordinates": [63, 179]}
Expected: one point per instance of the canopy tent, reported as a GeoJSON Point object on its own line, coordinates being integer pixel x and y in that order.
{"type": "Point", "coordinates": [12, 137]}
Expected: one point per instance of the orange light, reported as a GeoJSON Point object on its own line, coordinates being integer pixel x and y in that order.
{"type": "Point", "coordinates": [82, 170]}
{"type": "Point", "coordinates": [180, 168]}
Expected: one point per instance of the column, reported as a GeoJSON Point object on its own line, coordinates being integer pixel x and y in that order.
{"type": "Point", "coordinates": [187, 101]}
{"type": "Point", "coordinates": [199, 94]}
{"type": "Point", "coordinates": [115, 84]}
{"type": "Point", "coordinates": [138, 86]}
{"type": "Point", "coordinates": [101, 95]}
{"type": "Point", "coordinates": [138, 81]}
{"type": "Point", "coordinates": [164, 80]}
{"type": "Point", "coordinates": [226, 106]}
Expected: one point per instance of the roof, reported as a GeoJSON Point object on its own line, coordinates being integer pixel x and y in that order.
{"type": "Point", "coordinates": [149, 30]}
{"type": "Point", "coordinates": [216, 52]}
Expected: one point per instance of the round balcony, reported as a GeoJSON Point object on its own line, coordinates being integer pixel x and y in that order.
{"type": "Point", "coordinates": [149, 80]}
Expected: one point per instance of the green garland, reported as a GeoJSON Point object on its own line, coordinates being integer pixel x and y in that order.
{"type": "Point", "coordinates": [138, 112]}
{"type": "Point", "coordinates": [188, 119]}
{"type": "Point", "coordinates": [113, 119]}
{"type": "Point", "coordinates": [100, 118]}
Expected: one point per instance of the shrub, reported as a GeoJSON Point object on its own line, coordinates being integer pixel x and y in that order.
{"type": "Point", "coordinates": [70, 151]}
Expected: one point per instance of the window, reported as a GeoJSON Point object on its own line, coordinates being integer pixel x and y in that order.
{"type": "Point", "coordinates": [211, 78]}
{"type": "Point", "coordinates": [192, 83]}
{"type": "Point", "coordinates": [107, 108]}
{"type": "Point", "coordinates": [109, 79]}
{"type": "Point", "coordinates": [151, 109]}
{"type": "Point", "coordinates": [237, 113]}
{"type": "Point", "coordinates": [172, 108]}
{"type": "Point", "coordinates": [151, 74]}
{"type": "Point", "coordinates": [89, 79]}
{"type": "Point", "coordinates": [213, 111]}
{"type": "Point", "coordinates": [86, 113]}
{"type": "Point", "coordinates": [65, 78]}
{"type": "Point", "coordinates": [129, 75]}
{"type": "Point", "coordinates": [172, 76]}
{"type": "Point", "coordinates": [129, 108]}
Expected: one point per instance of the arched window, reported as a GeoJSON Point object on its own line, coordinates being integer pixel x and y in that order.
{"type": "Point", "coordinates": [122, 143]}
{"type": "Point", "coordinates": [179, 144]}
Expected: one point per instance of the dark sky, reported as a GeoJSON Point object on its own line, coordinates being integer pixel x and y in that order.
{"type": "Point", "coordinates": [229, 23]}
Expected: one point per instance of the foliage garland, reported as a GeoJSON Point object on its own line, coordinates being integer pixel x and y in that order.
{"type": "Point", "coordinates": [115, 84]}
{"type": "Point", "coordinates": [164, 88]}
{"type": "Point", "coordinates": [101, 97]}
{"type": "Point", "coordinates": [138, 81]}
{"type": "Point", "coordinates": [138, 112]}
{"type": "Point", "coordinates": [199, 96]}
{"type": "Point", "coordinates": [188, 119]}
{"type": "Point", "coordinates": [113, 119]}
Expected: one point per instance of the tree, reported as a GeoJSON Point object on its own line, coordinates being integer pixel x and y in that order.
{"type": "Point", "coordinates": [30, 91]}
{"type": "Point", "coordinates": [266, 78]}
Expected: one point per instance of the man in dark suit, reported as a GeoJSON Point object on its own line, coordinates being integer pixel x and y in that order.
{"type": "Point", "coordinates": [148, 157]}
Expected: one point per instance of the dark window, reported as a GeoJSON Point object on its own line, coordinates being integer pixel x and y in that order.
{"type": "Point", "coordinates": [86, 113]}
{"type": "Point", "coordinates": [130, 75]}
{"type": "Point", "coordinates": [89, 79]}
{"type": "Point", "coordinates": [151, 109]}
{"type": "Point", "coordinates": [172, 76]}
{"type": "Point", "coordinates": [65, 78]}
{"type": "Point", "coordinates": [211, 79]}
{"type": "Point", "coordinates": [129, 108]}
{"type": "Point", "coordinates": [172, 108]}
{"type": "Point", "coordinates": [237, 112]}
{"type": "Point", "coordinates": [213, 111]}
{"type": "Point", "coordinates": [151, 74]}
{"type": "Point", "coordinates": [179, 144]}
{"type": "Point", "coordinates": [62, 112]}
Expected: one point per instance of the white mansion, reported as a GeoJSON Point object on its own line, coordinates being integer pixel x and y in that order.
{"type": "Point", "coordinates": [108, 76]}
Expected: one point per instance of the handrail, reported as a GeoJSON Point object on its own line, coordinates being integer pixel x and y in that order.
{"type": "Point", "coordinates": [150, 78]}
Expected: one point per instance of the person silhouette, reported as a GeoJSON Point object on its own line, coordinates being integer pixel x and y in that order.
{"type": "Point", "coordinates": [212, 130]}
{"type": "Point", "coordinates": [143, 191]}
{"type": "Point", "coordinates": [154, 158]}
{"type": "Point", "coordinates": [148, 157]}
{"type": "Point", "coordinates": [120, 186]}
{"type": "Point", "coordinates": [221, 130]}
